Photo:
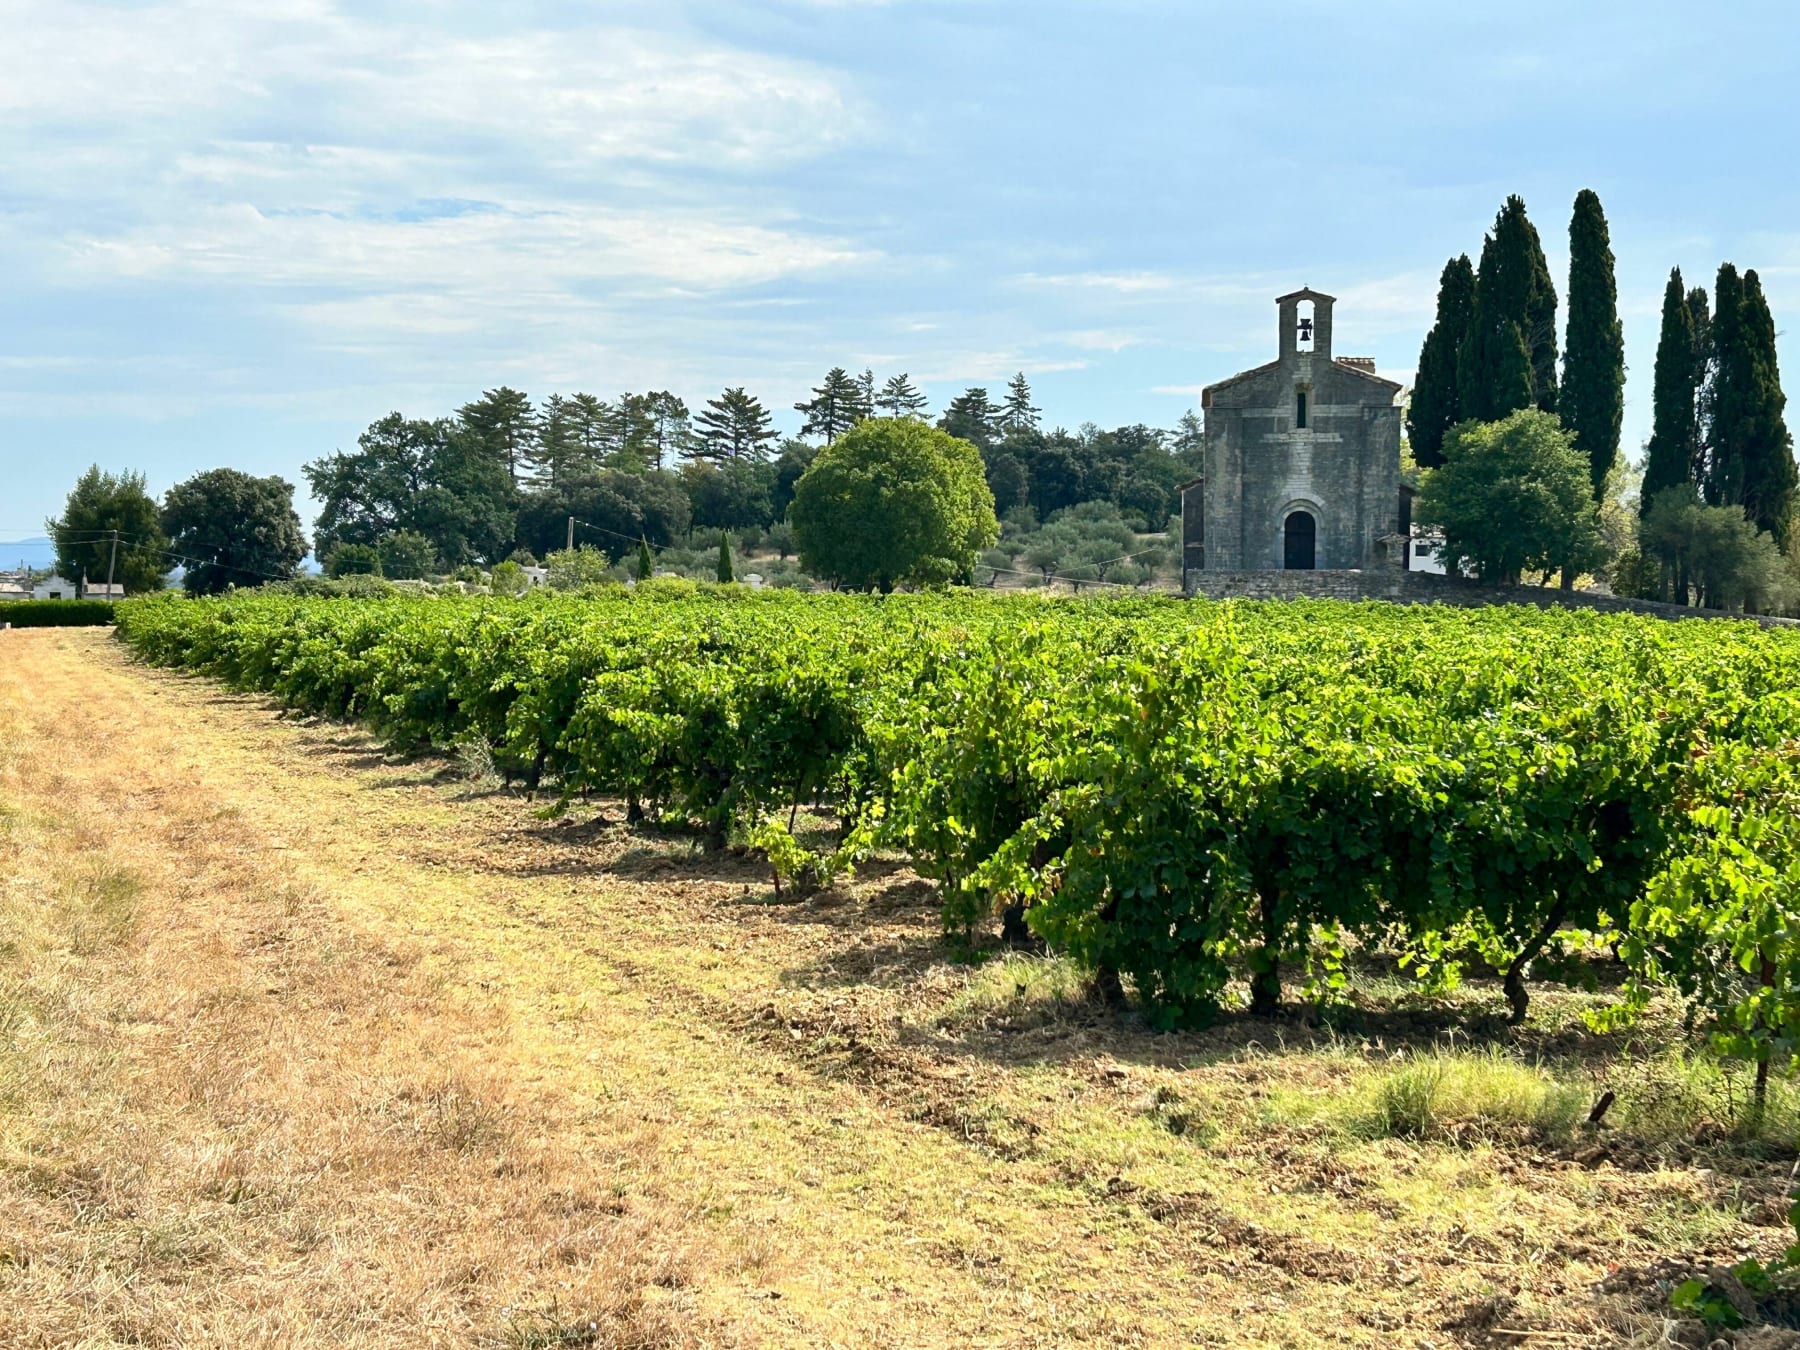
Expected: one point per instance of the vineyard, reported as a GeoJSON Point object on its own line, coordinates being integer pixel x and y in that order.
{"type": "Point", "coordinates": [1207, 806]}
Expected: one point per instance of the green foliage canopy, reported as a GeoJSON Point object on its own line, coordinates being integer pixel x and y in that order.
{"type": "Point", "coordinates": [1513, 496]}
{"type": "Point", "coordinates": [893, 502]}
{"type": "Point", "coordinates": [99, 505]}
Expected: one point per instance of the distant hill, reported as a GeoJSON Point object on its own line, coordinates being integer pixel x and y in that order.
{"type": "Point", "coordinates": [31, 552]}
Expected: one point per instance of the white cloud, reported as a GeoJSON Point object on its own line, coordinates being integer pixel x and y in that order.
{"type": "Point", "coordinates": [506, 250]}
{"type": "Point", "coordinates": [1184, 390]}
{"type": "Point", "coordinates": [185, 75]}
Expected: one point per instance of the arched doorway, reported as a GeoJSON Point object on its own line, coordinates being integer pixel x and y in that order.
{"type": "Point", "coordinates": [1299, 542]}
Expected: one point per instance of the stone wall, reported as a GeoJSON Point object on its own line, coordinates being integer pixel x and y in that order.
{"type": "Point", "coordinates": [1424, 588]}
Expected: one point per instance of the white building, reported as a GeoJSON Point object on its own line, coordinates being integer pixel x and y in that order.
{"type": "Point", "coordinates": [1427, 552]}
{"type": "Point", "coordinates": [53, 587]}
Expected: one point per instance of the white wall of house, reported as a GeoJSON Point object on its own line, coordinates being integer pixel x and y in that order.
{"type": "Point", "coordinates": [53, 588]}
{"type": "Point", "coordinates": [1427, 553]}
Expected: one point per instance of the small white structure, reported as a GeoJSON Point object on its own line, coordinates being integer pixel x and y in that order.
{"type": "Point", "coordinates": [754, 580]}
{"type": "Point", "coordinates": [1427, 553]}
{"type": "Point", "coordinates": [536, 576]}
{"type": "Point", "coordinates": [100, 590]}
{"type": "Point", "coordinates": [54, 587]}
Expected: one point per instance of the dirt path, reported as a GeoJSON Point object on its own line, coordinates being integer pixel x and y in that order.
{"type": "Point", "coordinates": [302, 1046]}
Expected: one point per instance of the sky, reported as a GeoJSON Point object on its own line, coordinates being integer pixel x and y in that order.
{"type": "Point", "coordinates": [234, 233]}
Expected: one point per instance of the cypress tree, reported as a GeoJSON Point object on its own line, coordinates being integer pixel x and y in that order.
{"type": "Point", "coordinates": [1669, 457]}
{"type": "Point", "coordinates": [1436, 398]}
{"type": "Point", "coordinates": [1592, 399]}
{"type": "Point", "coordinates": [1512, 381]}
{"type": "Point", "coordinates": [644, 569]}
{"type": "Point", "coordinates": [1512, 286]}
{"type": "Point", "coordinates": [1767, 450]}
{"type": "Point", "coordinates": [725, 574]}
{"type": "Point", "coordinates": [1700, 312]}
{"type": "Point", "coordinates": [1729, 393]}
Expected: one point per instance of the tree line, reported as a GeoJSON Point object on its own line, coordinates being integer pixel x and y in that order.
{"type": "Point", "coordinates": [1505, 437]}
{"type": "Point", "coordinates": [503, 477]}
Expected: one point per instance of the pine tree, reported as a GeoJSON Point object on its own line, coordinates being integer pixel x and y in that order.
{"type": "Point", "coordinates": [1436, 403]}
{"type": "Point", "coordinates": [558, 451]}
{"type": "Point", "coordinates": [1512, 286]}
{"type": "Point", "coordinates": [635, 440]}
{"type": "Point", "coordinates": [725, 557]}
{"type": "Point", "coordinates": [1670, 455]}
{"type": "Point", "coordinates": [735, 425]}
{"type": "Point", "coordinates": [1592, 400]}
{"type": "Point", "coordinates": [972, 417]}
{"type": "Point", "coordinates": [1767, 449]}
{"type": "Point", "coordinates": [1017, 414]}
{"type": "Point", "coordinates": [590, 423]}
{"type": "Point", "coordinates": [503, 422]}
{"type": "Point", "coordinates": [669, 433]}
{"type": "Point", "coordinates": [832, 410]}
{"type": "Point", "coordinates": [644, 569]}
{"type": "Point", "coordinates": [865, 395]}
{"type": "Point", "coordinates": [1729, 393]}
{"type": "Point", "coordinates": [900, 397]}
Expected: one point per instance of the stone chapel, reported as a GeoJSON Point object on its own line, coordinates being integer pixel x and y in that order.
{"type": "Point", "coordinates": [1302, 460]}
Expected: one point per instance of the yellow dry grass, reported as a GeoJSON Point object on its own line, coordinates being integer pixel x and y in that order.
{"type": "Point", "coordinates": [300, 1046]}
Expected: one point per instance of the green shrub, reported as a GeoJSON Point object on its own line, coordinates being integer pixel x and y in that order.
{"type": "Point", "coordinates": [56, 613]}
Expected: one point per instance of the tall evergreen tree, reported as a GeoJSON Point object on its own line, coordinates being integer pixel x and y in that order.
{"type": "Point", "coordinates": [1017, 413]}
{"type": "Point", "coordinates": [724, 573]}
{"type": "Point", "coordinates": [900, 397]}
{"type": "Point", "coordinates": [1770, 477]}
{"type": "Point", "coordinates": [1592, 400]}
{"type": "Point", "coordinates": [590, 428]}
{"type": "Point", "coordinates": [1512, 287]}
{"type": "Point", "coordinates": [670, 433]}
{"type": "Point", "coordinates": [636, 441]}
{"type": "Point", "coordinates": [506, 428]}
{"type": "Point", "coordinates": [1728, 393]}
{"type": "Point", "coordinates": [735, 425]}
{"type": "Point", "coordinates": [1436, 403]}
{"type": "Point", "coordinates": [1699, 304]}
{"type": "Point", "coordinates": [559, 452]}
{"type": "Point", "coordinates": [1670, 456]}
{"type": "Point", "coordinates": [972, 417]}
{"type": "Point", "coordinates": [865, 394]}
{"type": "Point", "coordinates": [834, 407]}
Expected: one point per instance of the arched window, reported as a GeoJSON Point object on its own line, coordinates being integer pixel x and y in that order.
{"type": "Point", "coordinates": [1300, 410]}
{"type": "Point", "coordinates": [1299, 540]}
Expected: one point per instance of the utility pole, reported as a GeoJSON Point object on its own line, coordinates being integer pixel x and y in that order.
{"type": "Point", "coordinates": [571, 534]}
{"type": "Point", "coordinates": [111, 561]}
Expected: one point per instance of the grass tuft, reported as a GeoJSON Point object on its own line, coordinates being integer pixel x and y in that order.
{"type": "Point", "coordinates": [1017, 985]}
{"type": "Point", "coordinates": [1448, 1093]}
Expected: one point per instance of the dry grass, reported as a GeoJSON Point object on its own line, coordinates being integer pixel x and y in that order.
{"type": "Point", "coordinates": [227, 1119]}
{"type": "Point", "coordinates": [302, 1045]}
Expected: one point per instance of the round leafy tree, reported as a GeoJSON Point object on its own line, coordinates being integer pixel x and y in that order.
{"type": "Point", "coordinates": [1513, 496]}
{"type": "Point", "coordinates": [893, 502]}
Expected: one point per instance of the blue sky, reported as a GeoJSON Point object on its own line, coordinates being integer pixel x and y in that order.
{"type": "Point", "coordinates": [236, 232]}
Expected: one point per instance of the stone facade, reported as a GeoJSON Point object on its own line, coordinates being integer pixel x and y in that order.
{"type": "Point", "coordinates": [1302, 460]}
